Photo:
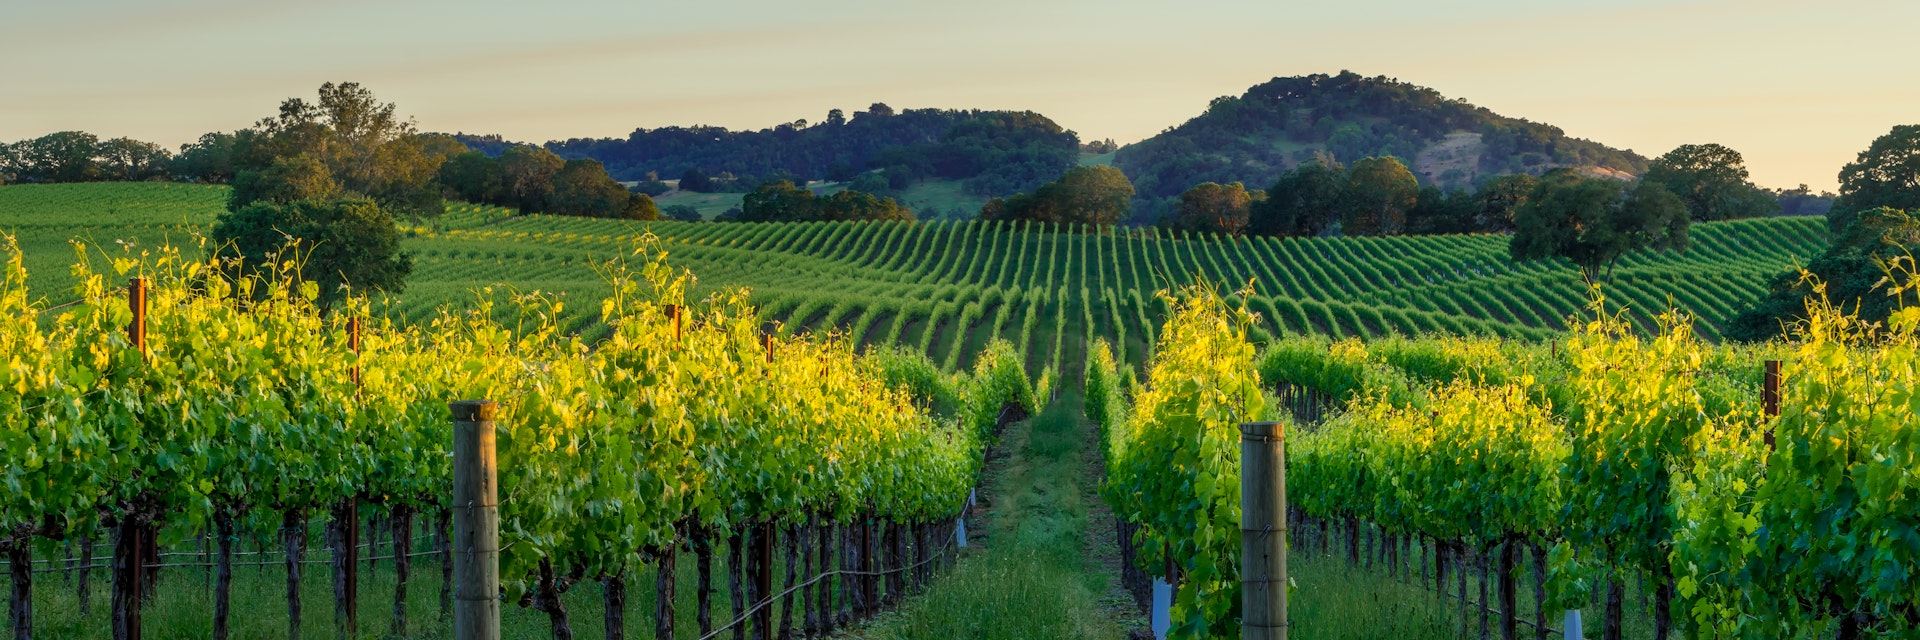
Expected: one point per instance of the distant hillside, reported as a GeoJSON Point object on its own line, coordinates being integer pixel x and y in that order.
{"type": "Point", "coordinates": [1277, 125]}
{"type": "Point", "coordinates": [993, 152]}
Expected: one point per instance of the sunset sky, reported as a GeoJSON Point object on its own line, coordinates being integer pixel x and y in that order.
{"type": "Point", "coordinates": [1799, 87]}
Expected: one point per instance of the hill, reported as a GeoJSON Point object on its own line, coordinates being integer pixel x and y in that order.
{"type": "Point", "coordinates": [1276, 125]}
{"type": "Point", "coordinates": [993, 152]}
{"type": "Point", "coordinates": [946, 288]}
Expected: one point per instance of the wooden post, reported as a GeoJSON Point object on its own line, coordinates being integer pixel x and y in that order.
{"type": "Point", "coordinates": [1770, 397]}
{"type": "Point", "coordinates": [130, 554]}
{"type": "Point", "coordinates": [1263, 531]}
{"type": "Point", "coordinates": [476, 524]}
{"type": "Point", "coordinates": [673, 314]}
{"type": "Point", "coordinates": [348, 521]}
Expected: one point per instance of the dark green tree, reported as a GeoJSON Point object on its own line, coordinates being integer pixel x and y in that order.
{"type": "Point", "coordinates": [288, 180]}
{"type": "Point", "coordinates": [681, 212]}
{"type": "Point", "coordinates": [1214, 208]}
{"type": "Point", "coordinates": [1887, 174]}
{"type": "Point", "coordinates": [1305, 201]}
{"type": "Point", "coordinates": [1094, 195]}
{"type": "Point", "coordinates": [583, 188]}
{"type": "Point", "coordinates": [474, 177]}
{"type": "Point", "coordinates": [209, 159]}
{"type": "Point", "coordinates": [696, 181]}
{"type": "Point", "coordinates": [1378, 193]}
{"type": "Point", "coordinates": [362, 142]}
{"type": "Point", "coordinates": [1496, 201]}
{"type": "Point", "coordinates": [527, 172]}
{"type": "Point", "coordinates": [1593, 221]}
{"type": "Point", "coordinates": [1712, 180]}
{"type": "Point", "coordinates": [781, 201]}
{"type": "Point", "coordinates": [339, 243]}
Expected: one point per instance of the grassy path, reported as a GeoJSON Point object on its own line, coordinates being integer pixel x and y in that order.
{"type": "Point", "coordinates": [1027, 572]}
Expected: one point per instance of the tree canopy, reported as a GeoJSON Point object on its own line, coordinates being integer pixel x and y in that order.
{"type": "Point", "coordinates": [781, 201]}
{"type": "Point", "coordinates": [338, 243]}
{"type": "Point", "coordinates": [994, 152]}
{"type": "Point", "coordinates": [1712, 180]}
{"type": "Point", "coordinates": [1093, 195]}
{"type": "Point", "coordinates": [1215, 208]}
{"type": "Point", "coordinates": [1593, 221]}
{"type": "Point", "coordinates": [1887, 174]}
{"type": "Point", "coordinates": [1282, 124]}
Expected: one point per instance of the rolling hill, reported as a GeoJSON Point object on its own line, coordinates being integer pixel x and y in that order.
{"type": "Point", "coordinates": [1276, 125]}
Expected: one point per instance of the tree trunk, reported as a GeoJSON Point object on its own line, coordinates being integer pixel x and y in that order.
{"type": "Point", "coordinates": [1662, 600]}
{"type": "Point", "coordinates": [849, 584]}
{"type": "Point", "coordinates": [442, 525]}
{"type": "Point", "coordinates": [1486, 607]}
{"type": "Point", "coordinates": [1509, 618]}
{"type": "Point", "coordinates": [402, 522]}
{"type": "Point", "coordinates": [734, 558]}
{"type": "Point", "coordinates": [1539, 592]}
{"type": "Point", "coordinates": [1616, 593]}
{"type": "Point", "coordinates": [664, 572]}
{"type": "Point", "coordinates": [86, 571]}
{"type": "Point", "coordinates": [126, 590]}
{"type": "Point", "coordinates": [810, 624]}
{"type": "Point", "coordinates": [1353, 541]}
{"type": "Point", "coordinates": [547, 599]}
{"type": "Point", "coordinates": [1457, 558]}
{"type": "Point", "coordinates": [793, 563]}
{"type": "Point", "coordinates": [341, 538]}
{"type": "Point", "coordinates": [1851, 626]}
{"type": "Point", "coordinates": [703, 578]}
{"type": "Point", "coordinates": [223, 574]}
{"type": "Point", "coordinates": [293, 535]}
{"type": "Point", "coordinates": [614, 594]}
{"type": "Point", "coordinates": [824, 539]}
{"type": "Point", "coordinates": [20, 605]}
{"type": "Point", "coordinates": [373, 541]}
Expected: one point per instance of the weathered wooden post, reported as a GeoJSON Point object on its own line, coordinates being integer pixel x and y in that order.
{"type": "Point", "coordinates": [476, 523]}
{"type": "Point", "coordinates": [130, 553]}
{"type": "Point", "coordinates": [1263, 531]}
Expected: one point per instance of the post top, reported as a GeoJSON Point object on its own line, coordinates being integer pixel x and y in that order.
{"type": "Point", "coordinates": [1263, 429]}
{"type": "Point", "coordinates": [473, 410]}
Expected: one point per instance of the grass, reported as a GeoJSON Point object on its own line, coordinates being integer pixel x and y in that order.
{"type": "Point", "coordinates": [708, 204]}
{"type": "Point", "coordinates": [1030, 580]}
{"type": "Point", "coordinates": [931, 199]}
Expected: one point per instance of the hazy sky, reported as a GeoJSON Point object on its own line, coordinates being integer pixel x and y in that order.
{"type": "Point", "coordinates": [1800, 86]}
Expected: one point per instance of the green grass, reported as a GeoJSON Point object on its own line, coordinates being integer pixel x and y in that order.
{"type": "Point", "coordinates": [1093, 159]}
{"type": "Point", "coordinates": [708, 204]}
{"type": "Point", "coordinates": [940, 199]}
{"type": "Point", "coordinates": [1030, 580]}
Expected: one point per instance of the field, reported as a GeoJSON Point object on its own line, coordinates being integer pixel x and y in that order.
{"type": "Point", "coordinates": [947, 288]}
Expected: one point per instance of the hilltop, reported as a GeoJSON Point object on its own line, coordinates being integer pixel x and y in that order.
{"type": "Point", "coordinates": [1278, 124]}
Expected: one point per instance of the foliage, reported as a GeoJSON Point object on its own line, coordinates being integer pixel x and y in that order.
{"type": "Point", "coordinates": [1852, 273]}
{"type": "Point", "coordinates": [1592, 222]}
{"type": "Point", "coordinates": [1286, 122]}
{"type": "Point", "coordinates": [783, 202]}
{"type": "Point", "coordinates": [1887, 174]}
{"type": "Point", "coordinates": [1096, 195]}
{"type": "Point", "coordinates": [1214, 208]}
{"type": "Point", "coordinates": [78, 156]}
{"type": "Point", "coordinates": [1176, 473]}
{"type": "Point", "coordinates": [535, 180]}
{"type": "Point", "coordinates": [337, 245]}
{"type": "Point", "coordinates": [996, 152]}
{"type": "Point", "coordinates": [1712, 179]}
{"type": "Point", "coordinates": [1379, 191]}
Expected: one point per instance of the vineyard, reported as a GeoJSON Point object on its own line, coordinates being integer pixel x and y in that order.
{"type": "Point", "coordinates": [946, 289]}
{"type": "Point", "coordinates": [816, 400]}
{"type": "Point", "coordinates": [1603, 460]}
{"type": "Point", "coordinates": [189, 406]}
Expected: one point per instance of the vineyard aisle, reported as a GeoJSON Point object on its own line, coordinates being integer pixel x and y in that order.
{"type": "Point", "coordinates": [1041, 561]}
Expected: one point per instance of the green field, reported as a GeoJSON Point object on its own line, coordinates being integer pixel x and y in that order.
{"type": "Point", "coordinates": [947, 288]}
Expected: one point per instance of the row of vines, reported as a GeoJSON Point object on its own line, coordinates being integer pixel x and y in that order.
{"type": "Point", "coordinates": [239, 408]}
{"type": "Point", "coordinates": [1616, 455]}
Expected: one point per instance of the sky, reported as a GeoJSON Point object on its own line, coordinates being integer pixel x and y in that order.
{"type": "Point", "coordinates": [1800, 87]}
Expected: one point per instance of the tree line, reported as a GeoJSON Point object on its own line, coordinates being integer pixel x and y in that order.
{"type": "Point", "coordinates": [992, 152]}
